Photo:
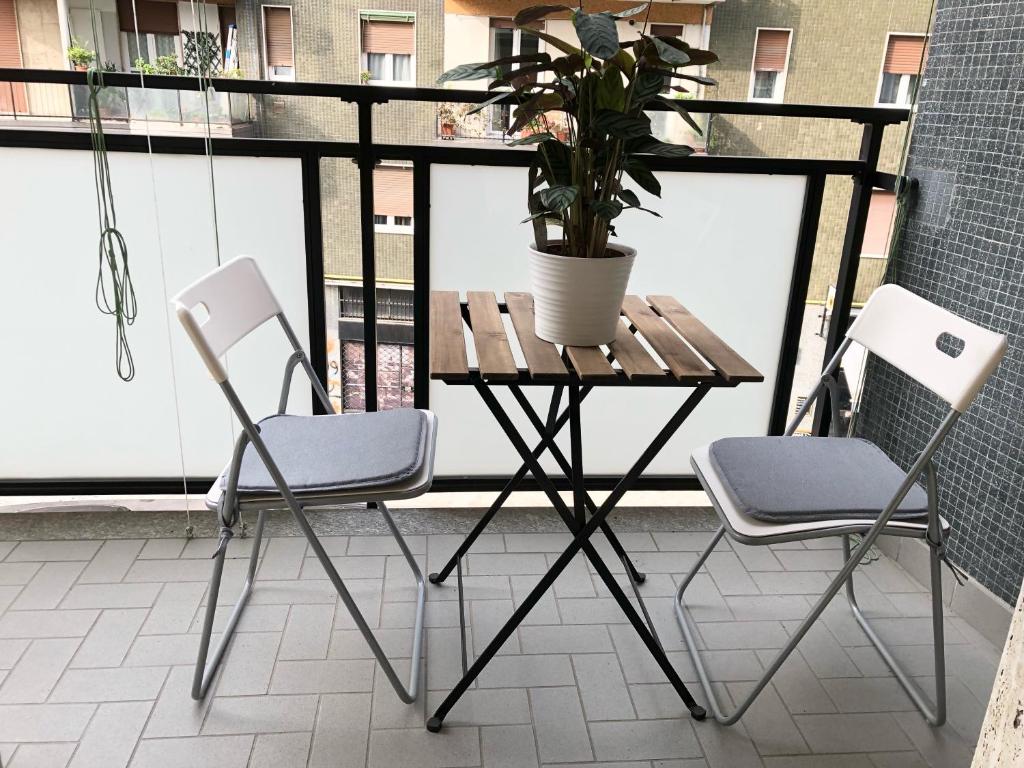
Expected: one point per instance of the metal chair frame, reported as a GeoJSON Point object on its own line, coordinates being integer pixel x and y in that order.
{"type": "Point", "coordinates": [933, 535]}
{"type": "Point", "coordinates": [229, 504]}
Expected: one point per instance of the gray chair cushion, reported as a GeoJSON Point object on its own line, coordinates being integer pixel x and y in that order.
{"type": "Point", "coordinates": [803, 479]}
{"type": "Point", "coordinates": [337, 452]}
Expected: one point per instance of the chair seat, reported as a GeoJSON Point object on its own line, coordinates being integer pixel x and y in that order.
{"type": "Point", "coordinates": [383, 455]}
{"type": "Point", "coordinates": [776, 489]}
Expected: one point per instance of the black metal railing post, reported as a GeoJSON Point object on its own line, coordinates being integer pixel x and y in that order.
{"type": "Point", "coordinates": [806, 241]}
{"type": "Point", "coordinates": [312, 213]}
{"type": "Point", "coordinates": [421, 282]}
{"type": "Point", "coordinates": [849, 264]}
{"type": "Point", "coordinates": [367, 161]}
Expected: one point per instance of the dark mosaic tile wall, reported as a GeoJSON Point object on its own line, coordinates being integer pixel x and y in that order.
{"type": "Point", "coordinates": [964, 249]}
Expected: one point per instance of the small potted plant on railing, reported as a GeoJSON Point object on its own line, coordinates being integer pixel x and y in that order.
{"type": "Point", "coordinates": [449, 116]}
{"type": "Point", "coordinates": [80, 56]}
{"type": "Point", "coordinates": [365, 77]}
{"type": "Point", "coordinates": [602, 87]}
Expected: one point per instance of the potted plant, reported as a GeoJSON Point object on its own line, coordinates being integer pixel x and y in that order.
{"type": "Point", "coordinates": [365, 76]}
{"type": "Point", "coordinates": [602, 86]}
{"type": "Point", "coordinates": [80, 56]}
{"type": "Point", "coordinates": [450, 116]}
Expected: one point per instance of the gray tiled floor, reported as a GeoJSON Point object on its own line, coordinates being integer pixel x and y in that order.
{"type": "Point", "coordinates": [97, 640]}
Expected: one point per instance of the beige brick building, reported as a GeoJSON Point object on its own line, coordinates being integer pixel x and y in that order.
{"type": "Point", "coordinates": [834, 52]}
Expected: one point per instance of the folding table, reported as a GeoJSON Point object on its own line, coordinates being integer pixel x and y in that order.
{"type": "Point", "coordinates": [695, 358]}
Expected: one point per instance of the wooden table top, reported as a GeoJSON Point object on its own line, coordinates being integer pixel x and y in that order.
{"type": "Point", "coordinates": [691, 352]}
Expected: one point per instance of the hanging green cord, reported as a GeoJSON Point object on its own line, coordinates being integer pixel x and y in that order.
{"type": "Point", "coordinates": [115, 293]}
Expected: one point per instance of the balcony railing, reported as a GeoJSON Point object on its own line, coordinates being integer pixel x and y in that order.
{"type": "Point", "coordinates": [736, 243]}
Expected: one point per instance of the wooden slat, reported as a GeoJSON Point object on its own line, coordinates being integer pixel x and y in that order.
{"type": "Point", "coordinates": [591, 364]}
{"type": "Point", "coordinates": [447, 341]}
{"type": "Point", "coordinates": [728, 363]}
{"type": "Point", "coordinates": [494, 355]}
{"type": "Point", "coordinates": [542, 357]}
{"type": "Point", "coordinates": [679, 358]}
{"type": "Point", "coordinates": [635, 361]}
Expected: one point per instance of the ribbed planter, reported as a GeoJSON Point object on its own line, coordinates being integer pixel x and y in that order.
{"type": "Point", "coordinates": [576, 301]}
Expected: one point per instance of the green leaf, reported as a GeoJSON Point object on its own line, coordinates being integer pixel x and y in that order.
{"type": "Point", "coordinates": [638, 171]}
{"type": "Point", "coordinates": [696, 78]}
{"type": "Point", "coordinates": [556, 162]}
{"type": "Point", "coordinates": [533, 138]}
{"type": "Point", "coordinates": [625, 62]}
{"type": "Point", "coordinates": [646, 86]}
{"type": "Point", "coordinates": [567, 65]}
{"type": "Point", "coordinates": [537, 12]}
{"type": "Point", "coordinates": [485, 104]}
{"type": "Point", "coordinates": [651, 146]}
{"type": "Point", "coordinates": [646, 210]}
{"type": "Point", "coordinates": [631, 11]}
{"type": "Point", "coordinates": [553, 41]}
{"type": "Point", "coordinates": [509, 77]}
{"type": "Point", "coordinates": [700, 57]}
{"type": "Point", "coordinates": [538, 215]}
{"type": "Point", "coordinates": [622, 126]}
{"type": "Point", "coordinates": [610, 92]}
{"type": "Point", "coordinates": [606, 209]}
{"type": "Point", "coordinates": [629, 196]}
{"type": "Point", "coordinates": [669, 53]}
{"type": "Point", "coordinates": [677, 105]}
{"type": "Point", "coordinates": [559, 198]}
{"type": "Point", "coordinates": [598, 34]}
{"type": "Point", "coordinates": [521, 58]}
{"type": "Point", "coordinates": [468, 72]}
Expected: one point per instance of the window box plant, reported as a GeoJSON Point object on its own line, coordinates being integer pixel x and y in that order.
{"type": "Point", "coordinates": [578, 184]}
{"type": "Point", "coordinates": [80, 56]}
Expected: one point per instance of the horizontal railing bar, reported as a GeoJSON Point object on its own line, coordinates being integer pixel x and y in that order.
{"type": "Point", "coordinates": [380, 94]}
{"type": "Point", "coordinates": [434, 154]}
{"type": "Point", "coordinates": [109, 486]}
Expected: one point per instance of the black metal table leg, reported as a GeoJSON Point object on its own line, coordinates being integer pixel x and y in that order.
{"type": "Point", "coordinates": [620, 552]}
{"type": "Point", "coordinates": [580, 542]}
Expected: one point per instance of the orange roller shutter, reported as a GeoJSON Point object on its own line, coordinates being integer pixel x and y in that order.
{"type": "Point", "coordinates": [277, 30]}
{"type": "Point", "coordinates": [392, 191]}
{"type": "Point", "coordinates": [903, 54]}
{"type": "Point", "coordinates": [771, 50]}
{"type": "Point", "coordinates": [12, 95]}
{"type": "Point", "coordinates": [388, 37]}
{"type": "Point", "coordinates": [876, 232]}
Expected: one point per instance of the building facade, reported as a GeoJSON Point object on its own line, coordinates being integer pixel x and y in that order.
{"type": "Point", "coordinates": [849, 52]}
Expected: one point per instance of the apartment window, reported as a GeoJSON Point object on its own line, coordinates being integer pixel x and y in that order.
{"type": "Point", "coordinates": [880, 216]}
{"type": "Point", "coordinates": [149, 47]}
{"type": "Point", "coordinates": [278, 42]}
{"type": "Point", "coordinates": [901, 68]}
{"type": "Point", "coordinates": [771, 60]}
{"type": "Point", "coordinates": [389, 47]}
{"type": "Point", "coordinates": [392, 199]}
{"type": "Point", "coordinates": [506, 40]}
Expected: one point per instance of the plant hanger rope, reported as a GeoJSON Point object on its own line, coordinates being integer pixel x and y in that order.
{"type": "Point", "coordinates": [115, 293]}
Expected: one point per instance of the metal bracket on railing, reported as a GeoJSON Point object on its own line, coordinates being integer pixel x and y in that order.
{"type": "Point", "coordinates": [226, 534]}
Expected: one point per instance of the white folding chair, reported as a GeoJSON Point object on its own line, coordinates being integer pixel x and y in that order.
{"type": "Point", "coordinates": [768, 490]}
{"type": "Point", "coordinates": [299, 461]}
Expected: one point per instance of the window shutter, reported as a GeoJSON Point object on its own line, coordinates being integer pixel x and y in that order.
{"type": "Point", "coordinates": [12, 95]}
{"type": "Point", "coordinates": [277, 31]}
{"type": "Point", "coordinates": [155, 17]}
{"type": "Point", "coordinates": [876, 232]}
{"type": "Point", "coordinates": [667, 30]}
{"type": "Point", "coordinates": [903, 54]}
{"type": "Point", "coordinates": [770, 51]}
{"type": "Point", "coordinates": [392, 191]}
{"type": "Point", "coordinates": [388, 37]}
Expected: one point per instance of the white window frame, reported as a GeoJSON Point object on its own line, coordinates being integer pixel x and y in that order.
{"type": "Point", "coordinates": [780, 79]}
{"type": "Point", "coordinates": [392, 228]}
{"type": "Point", "coordinates": [517, 41]}
{"type": "Point", "coordinates": [389, 58]}
{"type": "Point", "coordinates": [150, 41]}
{"type": "Point", "coordinates": [903, 92]}
{"type": "Point", "coordinates": [263, 34]}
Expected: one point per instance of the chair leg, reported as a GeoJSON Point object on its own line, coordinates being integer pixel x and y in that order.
{"type": "Point", "coordinates": [405, 693]}
{"type": "Point", "coordinates": [205, 672]}
{"type": "Point", "coordinates": [934, 715]}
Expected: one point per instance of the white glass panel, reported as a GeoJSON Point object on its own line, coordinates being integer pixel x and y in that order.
{"type": "Point", "coordinates": [719, 249]}
{"type": "Point", "coordinates": [64, 407]}
{"type": "Point", "coordinates": [375, 63]}
{"type": "Point", "coordinates": [402, 67]}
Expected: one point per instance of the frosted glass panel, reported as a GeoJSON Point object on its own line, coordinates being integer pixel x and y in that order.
{"type": "Point", "coordinates": [725, 248]}
{"type": "Point", "coordinates": [61, 403]}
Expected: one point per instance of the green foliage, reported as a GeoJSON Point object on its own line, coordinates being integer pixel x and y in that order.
{"type": "Point", "coordinates": [79, 54]}
{"type": "Point", "coordinates": [601, 89]}
{"type": "Point", "coordinates": [164, 65]}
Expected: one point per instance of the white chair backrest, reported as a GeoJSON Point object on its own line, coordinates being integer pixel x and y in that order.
{"type": "Point", "coordinates": [236, 299]}
{"type": "Point", "coordinates": [906, 330]}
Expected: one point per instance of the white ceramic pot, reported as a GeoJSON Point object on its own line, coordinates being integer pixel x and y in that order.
{"type": "Point", "coordinates": [577, 301]}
